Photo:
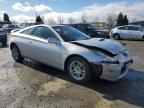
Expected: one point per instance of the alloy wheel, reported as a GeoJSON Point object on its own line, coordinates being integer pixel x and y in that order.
{"type": "Point", "coordinates": [77, 70]}
{"type": "Point", "coordinates": [116, 37]}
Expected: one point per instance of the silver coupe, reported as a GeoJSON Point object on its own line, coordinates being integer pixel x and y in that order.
{"type": "Point", "coordinates": [68, 49]}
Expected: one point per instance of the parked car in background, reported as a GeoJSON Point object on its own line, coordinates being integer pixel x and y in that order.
{"type": "Point", "coordinates": [9, 27]}
{"type": "Point", "coordinates": [68, 49]}
{"type": "Point", "coordinates": [13, 31]}
{"type": "Point", "coordinates": [91, 31]}
{"type": "Point", "coordinates": [3, 37]}
{"type": "Point", "coordinates": [128, 32]}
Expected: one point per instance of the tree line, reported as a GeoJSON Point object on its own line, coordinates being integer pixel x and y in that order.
{"type": "Point", "coordinates": [122, 20]}
{"type": "Point", "coordinates": [111, 21]}
{"type": "Point", "coordinates": [115, 21]}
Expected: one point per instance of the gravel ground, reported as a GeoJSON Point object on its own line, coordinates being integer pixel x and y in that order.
{"type": "Point", "coordinates": [30, 85]}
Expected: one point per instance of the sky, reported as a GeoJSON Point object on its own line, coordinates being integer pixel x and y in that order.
{"type": "Point", "coordinates": [94, 10]}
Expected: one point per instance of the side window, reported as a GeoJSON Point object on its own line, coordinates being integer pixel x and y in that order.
{"type": "Point", "coordinates": [122, 28]}
{"type": "Point", "coordinates": [28, 31]}
{"type": "Point", "coordinates": [135, 28]}
{"type": "Point", "coordinates": [43, 32]}
{"type": "Point", "coordinates": [128, 28]}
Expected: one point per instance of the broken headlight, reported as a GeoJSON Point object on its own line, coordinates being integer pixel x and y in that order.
{"type": "Point", "coordinates": [108, 60]}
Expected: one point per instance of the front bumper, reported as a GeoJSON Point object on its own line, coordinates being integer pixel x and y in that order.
{"type": "Point", "coordinates": [112, 72]}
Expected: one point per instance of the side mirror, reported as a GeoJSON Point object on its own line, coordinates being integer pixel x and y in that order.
{"type": "Point", "coordinates": [53, 40]}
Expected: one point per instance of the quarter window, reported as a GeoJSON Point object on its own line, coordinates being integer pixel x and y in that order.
{"type": "Point", "coordinates": [28, 31]}
{"type": "Point", "coordinates": [43, 32]}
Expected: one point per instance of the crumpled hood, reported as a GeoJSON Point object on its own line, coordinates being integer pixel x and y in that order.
{"type": "Point", "coordinates": [100, 44]}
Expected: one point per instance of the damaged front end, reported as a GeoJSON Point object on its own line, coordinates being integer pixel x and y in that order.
{"type": "Point", "coordinates": [114, 68]}
{"type": "Point", "coordinates": [111, 60]}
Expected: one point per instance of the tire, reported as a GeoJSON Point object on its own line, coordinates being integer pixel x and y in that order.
{"type": "Point", "coordinates": [16, 54]}
{"type": "Point", "coordinates": [81, 74]}
{"type": "Point", "coordinates": [116, 37]}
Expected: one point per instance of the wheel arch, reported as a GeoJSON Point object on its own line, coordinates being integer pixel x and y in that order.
{"type": "Point", "coordinates": [71, 56]}
{"type": "Point", "coordinates": [12, 45]}
{"type": "Point", "coordinates": [116, 34]}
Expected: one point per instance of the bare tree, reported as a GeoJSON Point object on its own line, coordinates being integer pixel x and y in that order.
{"type": "Point", "coordinates": [13, 22]}
{"type": "Point", "coordinates": [96, 19]}
{"type": "Point", "coordinates": [134, 19]}
{"type": "Point", "coordinates": [51, 21]}
{"type": "Point", "coordinates": [110, 21]}
{"type": "Point", "coordinates": [60, 20]}
{"type": "Point", "coordinates": [71, 20]}
{"type": "Point", "coordinates": [84, 18]}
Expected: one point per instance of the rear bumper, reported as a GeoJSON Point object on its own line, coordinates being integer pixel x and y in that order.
{"type": "Point", "coordinates": [111, 72]}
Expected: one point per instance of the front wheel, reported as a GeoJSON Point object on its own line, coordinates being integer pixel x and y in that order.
{"type": "Point", "coordinates": [116, 37]}
{"type": "Point", "coordinates": [79, 70]}
{"type": "Point", "coordinates": [16, 54]}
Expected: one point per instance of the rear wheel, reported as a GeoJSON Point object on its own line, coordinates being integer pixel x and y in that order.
{"type": "Point", "coordinates": [79, 70]}
{"type": "Point", "coordinates": [116, 37]}
{"type": "Point", "coordinates": [16, 53]}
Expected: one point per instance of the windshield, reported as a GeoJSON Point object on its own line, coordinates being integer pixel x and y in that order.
{"type": "Point", "coordinates": [70, 34]}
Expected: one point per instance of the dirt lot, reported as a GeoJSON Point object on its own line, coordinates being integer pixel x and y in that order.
{"type": "Point", "coordinates": [30, 85]}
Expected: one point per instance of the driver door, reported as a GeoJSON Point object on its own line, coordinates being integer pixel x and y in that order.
{"type": "Point", "coordinates": [42, 50]}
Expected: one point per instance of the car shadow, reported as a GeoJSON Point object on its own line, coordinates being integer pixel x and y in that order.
{"type": "Point", "coordinates": [129, 89]}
